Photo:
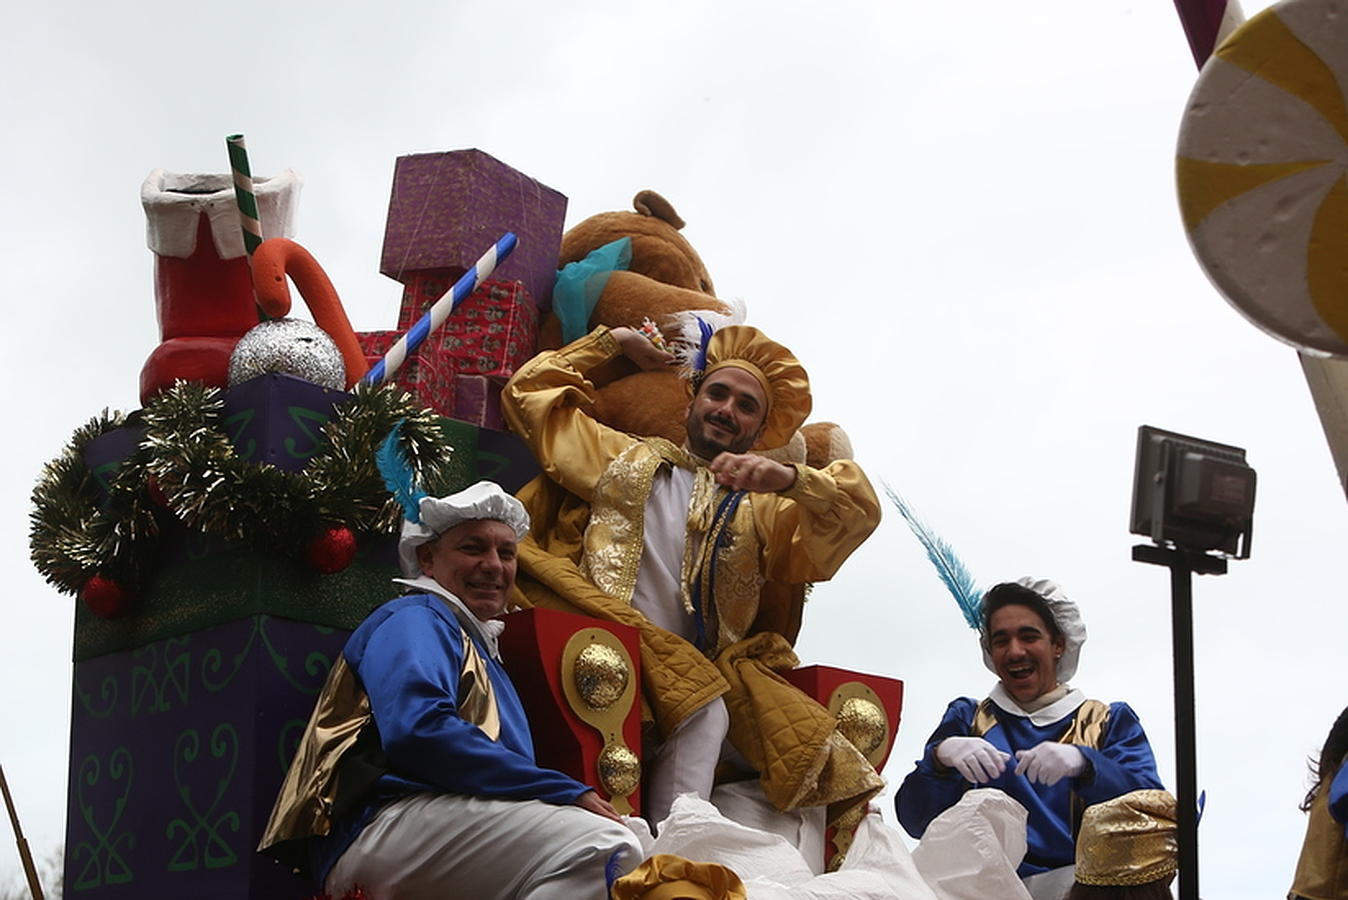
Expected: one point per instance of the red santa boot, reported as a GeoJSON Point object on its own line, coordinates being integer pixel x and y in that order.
{"type": "Point", "coordinates": [203, 288]}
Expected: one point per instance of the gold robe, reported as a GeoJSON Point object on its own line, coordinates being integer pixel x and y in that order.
{"type": "Point", "coordinates": [1322, 868]}
{"type": "Point", "coordinates": [585, 549]}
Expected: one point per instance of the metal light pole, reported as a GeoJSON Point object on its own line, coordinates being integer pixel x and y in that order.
{"type": "Point", "coordinates": [1195, 499]}
{"type": "Point", "coordinates": [1182, 565]}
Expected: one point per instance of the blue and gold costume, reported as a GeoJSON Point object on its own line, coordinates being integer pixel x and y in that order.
{"type": "Point", "coordinates": [418, 704]}
{"type": "Point", "coordinates": [1119, 760]}
{"type": "Point", "coordinates": [421, 669]}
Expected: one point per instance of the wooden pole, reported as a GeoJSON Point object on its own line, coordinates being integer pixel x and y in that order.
{"type": "Point", "coordinates": [28, 868]}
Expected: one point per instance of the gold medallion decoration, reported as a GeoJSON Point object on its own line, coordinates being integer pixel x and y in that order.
{"type": "Point", "coordinates": [863, 723]}
{"type": "Point", "coordinates": [600, 689]}
{"type": "Point", "coordinates": [601, 675]}
{"type": "Point", "coordinates": [619, 770]}
{"type": "Point", "coordinates": [1263, 151]}
{"type": "Point", "coordinates": [861, 719]}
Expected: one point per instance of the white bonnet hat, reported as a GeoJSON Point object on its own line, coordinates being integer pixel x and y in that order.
{"type": "Point", "coordinates": [1066, 616]}
{"type": "Point", "coordinates": [484, 500]}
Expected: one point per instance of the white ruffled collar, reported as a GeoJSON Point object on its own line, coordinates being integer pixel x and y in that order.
{"type": "Point", "coordinates": [488, 632]}
{"type": "Point", "coordinates": [1045, 715]}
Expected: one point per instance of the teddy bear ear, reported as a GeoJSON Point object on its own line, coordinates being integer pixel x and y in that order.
{"type": "Point", "coordinates": [649, 203]}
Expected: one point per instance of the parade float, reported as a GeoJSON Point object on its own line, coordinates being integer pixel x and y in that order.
{"type": "Point", "coordinates": [224, 539]}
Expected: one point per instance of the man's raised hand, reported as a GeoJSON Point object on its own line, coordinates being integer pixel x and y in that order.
{"type": "Point", "coordinates": [639, 349]}
{"type": "Point", "coordinates": [751, 472]}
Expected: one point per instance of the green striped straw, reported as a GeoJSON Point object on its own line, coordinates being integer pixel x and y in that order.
{"type": "Point", "coordinates": [249, 221]}
{"type": "Point", "coordinates": [243, 193]}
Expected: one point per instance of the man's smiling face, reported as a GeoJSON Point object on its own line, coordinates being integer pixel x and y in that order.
{"type": "Point", "coordinates": [726, 414]}
{"type": "Point", "coordinates": [1024, 654]}
{"type": "Point", "coordinates": [474, 561]}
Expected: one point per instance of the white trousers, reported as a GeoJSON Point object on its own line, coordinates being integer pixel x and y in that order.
{"type": "Point", "coordinates": [430, 846]}
{"type": "Point", "coordinates": [686, 761]}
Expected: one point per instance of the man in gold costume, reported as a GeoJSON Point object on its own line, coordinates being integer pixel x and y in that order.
{"type": "Point", "coordinates": [688, 543]}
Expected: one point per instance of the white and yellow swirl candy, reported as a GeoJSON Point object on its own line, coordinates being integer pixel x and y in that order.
{"type": "Point", "coordinates": [1263, 152]}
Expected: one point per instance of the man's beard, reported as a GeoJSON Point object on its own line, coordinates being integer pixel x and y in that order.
{"type": "Point", "coordinates": [708, 447]}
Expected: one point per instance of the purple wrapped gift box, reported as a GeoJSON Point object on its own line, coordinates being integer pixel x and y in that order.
{"type": "Point", "coordinates": [447, 209]}
{"type": "Point", "coordinates": [177, 750]}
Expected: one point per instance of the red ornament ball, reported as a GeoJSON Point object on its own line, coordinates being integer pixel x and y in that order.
{"type": "Point", "coordinates": [332, 551]}
{"type": "Point", "coordinates": [156, 492]}
{"type": "Point", "coordinates": [105, 598]}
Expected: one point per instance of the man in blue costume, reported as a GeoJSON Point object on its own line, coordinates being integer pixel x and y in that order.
{"type": "Point", "coordinates": [1035, 736]}
{"type": "Point", "coordinates": [416, 775]}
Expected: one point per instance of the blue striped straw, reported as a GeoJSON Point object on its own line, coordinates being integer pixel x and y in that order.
{"type": "Point", "coordinates": [434, 317]}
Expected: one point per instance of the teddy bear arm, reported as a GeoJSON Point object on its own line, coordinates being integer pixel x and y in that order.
{"type": "Point", "coordinates": [631, 297]}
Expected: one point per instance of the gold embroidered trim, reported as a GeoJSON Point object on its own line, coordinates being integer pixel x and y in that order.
{"type": "Point", "coordinates": [614, 535]}
{"type": "Point", "coordinates": [701, 508]}
{"type": "Point", "coordinates": [728, 610]}
{"type": "Point", "coordinates": [739, 582]}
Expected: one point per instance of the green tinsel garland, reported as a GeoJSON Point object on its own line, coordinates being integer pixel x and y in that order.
{"type": "Point", "coordinates": [187, 455]}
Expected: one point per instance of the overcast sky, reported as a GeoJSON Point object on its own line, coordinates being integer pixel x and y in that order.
{"type": "Point", "coordinates": [961, 216]}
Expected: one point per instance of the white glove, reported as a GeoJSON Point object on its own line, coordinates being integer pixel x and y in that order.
{"type": "Point", "coordinates": [1050, 762]}
{"type": "Point", "coordinates": [974, 758]}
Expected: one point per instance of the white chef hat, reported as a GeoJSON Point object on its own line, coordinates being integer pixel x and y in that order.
{"type": "Point", "coordinates": [1067, 618]}
{"type": "Point", "coordinates": [484, 500]}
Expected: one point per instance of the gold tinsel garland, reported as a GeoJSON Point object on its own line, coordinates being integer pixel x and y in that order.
{"type": "Point", "coordinates": [186, 466]}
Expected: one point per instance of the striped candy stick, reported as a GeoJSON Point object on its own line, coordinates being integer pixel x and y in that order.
{"type": "Point", "coordinates": [434, 317]}
{"type": "Point", "coordinates": [243, 193]}
{"type": "Point", "coordinates": [1207, 23]}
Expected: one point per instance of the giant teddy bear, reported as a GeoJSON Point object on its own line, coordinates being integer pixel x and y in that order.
{"type": "Point", "coordinates": [665, 281]}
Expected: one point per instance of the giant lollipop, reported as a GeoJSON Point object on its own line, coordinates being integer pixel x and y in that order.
{"type": "Point", "coordinates": [1263, 151]}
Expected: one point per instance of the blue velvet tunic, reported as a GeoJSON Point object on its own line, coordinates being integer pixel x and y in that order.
{"type": "Point", "coordinates": [1123, 763]}
{"type": "Point", "coordinates": [408, 655]}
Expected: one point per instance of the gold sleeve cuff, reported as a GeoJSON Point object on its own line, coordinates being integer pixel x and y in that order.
{"type": "Point", "coordinates": [604, 338]}
{"type": "Point", "coordinates": [810, 486]}
{"type": "Point", "coordinates": [544, 404]}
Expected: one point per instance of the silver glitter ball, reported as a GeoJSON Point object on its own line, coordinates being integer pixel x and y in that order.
{"type": "Point", "coordinates": [288, 347]}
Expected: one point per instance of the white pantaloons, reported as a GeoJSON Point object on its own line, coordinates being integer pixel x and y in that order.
{"type": "Point", "coordinates": [429, 846]}
{"type": "Point", "coordinates": [686, 761]}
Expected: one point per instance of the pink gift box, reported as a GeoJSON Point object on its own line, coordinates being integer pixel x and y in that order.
{"type": "Point", "coordinates": [493, 332]}
{"type": "Point", "coordinates": [428, 374]}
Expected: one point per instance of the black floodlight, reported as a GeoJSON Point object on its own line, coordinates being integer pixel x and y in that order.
{"type": "Point", "coordinates": [1192, 494]}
